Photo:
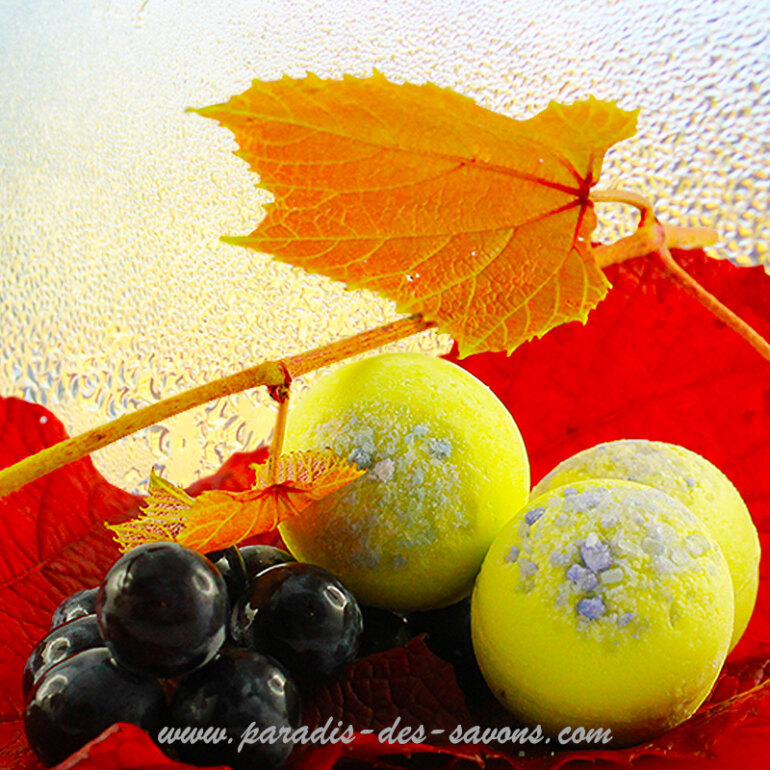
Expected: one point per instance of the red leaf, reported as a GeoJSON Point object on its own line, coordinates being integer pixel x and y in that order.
{"type": "Point", "coordinates": [407, 683]}
{"type": "Point", "coordinates": [53, 542]}
{"type": "Point", "coordinates": [235, 474]}
{"type": "Point", "coordinates": [122, 747]}
{"type": "Point", "coordinates": [729, 733]}
{"type": "Point", "coordinates": [738, 677]}
{"type": "Point", "coordinates": [652, 363]}
{"type": "Point", "coordinates": [408, 686]}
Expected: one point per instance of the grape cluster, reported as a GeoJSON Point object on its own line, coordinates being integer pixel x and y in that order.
{"type": "Point", "coordinates": [176, 639]}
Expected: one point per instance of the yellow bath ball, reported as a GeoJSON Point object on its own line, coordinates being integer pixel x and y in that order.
{"type": "Point", "coordinates": [604, 605]}
{"type": "Point", "coordinates": [696, 483]}
{"type": "Point", "coordinates": [445, 469]}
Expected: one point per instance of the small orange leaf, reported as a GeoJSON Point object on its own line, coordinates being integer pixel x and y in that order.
{"type": "Point", "coordinates": [161, 519]}
{"type": "Point", "coordinates": [476, 221]}
{"type": "Point", "coordinates": [218, 519]}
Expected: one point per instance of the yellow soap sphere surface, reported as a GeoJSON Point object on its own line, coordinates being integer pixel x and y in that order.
{"type": "Point", "coordinates": [603, 605]}
{"type": "Point", "coordinates": [445, 469]}
{"type": "Point", "coordinates": [696, 483]}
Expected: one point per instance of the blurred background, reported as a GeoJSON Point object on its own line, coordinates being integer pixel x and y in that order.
{"type": "Point", "coordinates": [115, 290]}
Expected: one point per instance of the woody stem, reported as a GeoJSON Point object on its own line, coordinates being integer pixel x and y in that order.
{"type": "Point", "coordinates": [623, 196]}
{"type": "Point", "coordinates": [276, 445]}
{"type": "Point", "coordinates": [270, 373]}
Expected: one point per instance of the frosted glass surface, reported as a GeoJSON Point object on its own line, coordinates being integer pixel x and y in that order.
{"type": "Point", "coordinates": [114, 288]}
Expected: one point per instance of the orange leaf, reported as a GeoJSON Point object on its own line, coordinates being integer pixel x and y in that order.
{"type": "Point", "coordinates": [477, 221]}
{"type": "Point", "coordinates": [218, 519]}
{"type": "Point", "coordinates": [161, 519]}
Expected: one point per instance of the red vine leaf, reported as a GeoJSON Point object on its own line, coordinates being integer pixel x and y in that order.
{"type": "Point", "coordinates": [407, 683]}
{"type": "Point", "coordinates": [122, 747]}
{"type": "Point", "coordinates": [238, 472]}
{"type": "Point", "coordinates": [650, 362]}
{"type": "Point", "coordinates": [53, 542]}
{"type": "Point", "coordinates": [409, 687]}
{"type": "Point", "coordinates": [474, 220]}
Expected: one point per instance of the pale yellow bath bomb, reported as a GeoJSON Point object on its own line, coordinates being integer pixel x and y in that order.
{"type": "Point", "coordinates": [445, 469]}
{"type": "Point", "coordinates": [603, 604]}
{"type": "Point", "coordinates": [692, 480]}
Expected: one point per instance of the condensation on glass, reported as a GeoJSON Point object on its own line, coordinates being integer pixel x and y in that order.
{"type": "Point", "coordinates": [114, 288]}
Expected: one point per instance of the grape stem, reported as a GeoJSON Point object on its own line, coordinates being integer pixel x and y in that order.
{"type": "Point", "coordinates": [274, 374]}
{"type": "Point", "coordinates": [276, 445]}
{"type": "Point", "coordinates": [653, 238]}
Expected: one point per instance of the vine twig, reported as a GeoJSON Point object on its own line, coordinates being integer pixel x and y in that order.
{"type": "Point", "coordinates": [270, 373]}
{"type": "Point", "coordinates": [623, 196]}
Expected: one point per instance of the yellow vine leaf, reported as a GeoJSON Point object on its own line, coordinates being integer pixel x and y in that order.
{"type": "Point", "coordinates": [477, 221]}
{"type": "Point", "coordinates": [218, 519]}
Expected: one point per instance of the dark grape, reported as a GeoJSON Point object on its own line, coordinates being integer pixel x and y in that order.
{"type": "Point", "coordinates": [231, 567]}
{"type": "Point", "coordinates": [239, 566]}
{"type": "Point", "coordinates": [162, 610]}
{"type": "Point", "coordinates": [64, 641]}
{"type": "Point", "coordinates": [255, 559]}
{"type": "Point", "coordinates": [302, 616]}
{"type": "Point", "coordinates": [258, 558]}
{"type": "Point", "coordinates": [78, 605]}
{"type": "Point", "coordinates": [383, 630]}
{"type": "Point", "coordinates": [238, 689]}
{"type": "Point", "coordinates": [76, 700]}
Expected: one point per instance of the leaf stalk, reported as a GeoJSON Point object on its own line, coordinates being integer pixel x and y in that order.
{"type": "Point", "coordinates": [709, 301]}
{"type": "Point", "coordinates": [653, 238]}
